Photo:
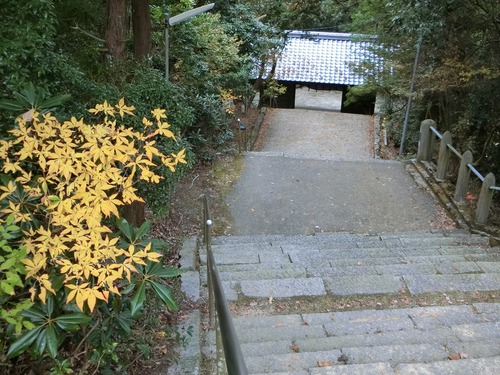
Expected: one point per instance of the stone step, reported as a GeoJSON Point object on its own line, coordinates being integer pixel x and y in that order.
{"type": "Point", "coordinates": [339, 239]}
{"type": "Point", "coordinates": [395, 356]}
{"type": "Point", "coordinates": [398, 341]}
{"type": "Point", "coordinates": [371, 340]}
{"type": "Point", "coordinates": [347, 256]}
{"type": "Point", "coordinates": [264, 269]}
{"type": "Point", "coordinates": [360, 285]}
{"type": "Point", "coordinates": [475, 323]}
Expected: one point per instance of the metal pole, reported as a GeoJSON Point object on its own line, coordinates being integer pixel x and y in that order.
{"type": "Point", "coordinates": [167, 26]}
{"type": "Point", "coordinates": [408, 106]}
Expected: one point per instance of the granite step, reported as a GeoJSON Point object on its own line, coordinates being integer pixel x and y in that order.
{"type": "Point", "coordinates": [345, 264]}
{"type": "Point", "coordinates": [370, 340]}
{"type": "Point", "coordinates": [458, 339]}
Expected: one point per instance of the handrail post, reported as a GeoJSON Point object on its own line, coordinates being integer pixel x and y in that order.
{"type": "Point", "coordinates": [485, 198]}
{"type": "Point", "coordinates": [444, 157]}
{"type": "Point", "coordinates": [463, 177]}
{"type": "Point", "coordinates": [425, 144]}
{"type": "Point", "coordinates": [207, 225]}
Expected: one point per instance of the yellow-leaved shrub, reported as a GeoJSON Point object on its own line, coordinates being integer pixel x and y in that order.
{"type": "Point", "coordinates": [66, 179]}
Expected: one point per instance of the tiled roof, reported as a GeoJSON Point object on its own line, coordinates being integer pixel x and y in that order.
{"type": "Point", "coordinates": [321, 57]}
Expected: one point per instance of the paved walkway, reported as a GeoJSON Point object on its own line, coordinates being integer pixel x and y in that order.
{"type": "Point", "coordinates": [315, 172]}
{"type": "Point", "coordinates": [317, 134]}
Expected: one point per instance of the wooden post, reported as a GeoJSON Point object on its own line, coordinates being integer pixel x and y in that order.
{"type": "Point", "coordinates": [424, 145]}
{"type": "Point", "coordinates": [463, 177]}
{"type": "Point", "coordinates": [444, 157]}
{"type": "Point", "coordinates": [485, 197]}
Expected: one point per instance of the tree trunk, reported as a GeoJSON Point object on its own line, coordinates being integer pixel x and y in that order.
{"type": "Point", "coordinates": [141, 23]}
{"type": "Point", "coordinates": [116, 28]}
{"type": "Point", "coordinates": [135, 213]}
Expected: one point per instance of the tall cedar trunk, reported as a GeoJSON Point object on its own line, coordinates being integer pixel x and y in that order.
{"type": "Point", "coordinates": [116, 28]}
{"type": "Point", "coordinates": [141, 21]}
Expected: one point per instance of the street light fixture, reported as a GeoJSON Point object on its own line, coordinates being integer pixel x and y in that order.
{"type": "Point", "coordinates": [171, 21]}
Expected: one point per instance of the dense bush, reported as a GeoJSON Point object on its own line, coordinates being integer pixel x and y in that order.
{"type": "Point", "coordinates": [71, 281]}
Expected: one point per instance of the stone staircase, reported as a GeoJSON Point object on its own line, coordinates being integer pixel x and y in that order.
{"type": "Point", "coordinates": [309, 304]}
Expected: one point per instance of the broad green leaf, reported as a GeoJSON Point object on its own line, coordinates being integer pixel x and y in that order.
{"type": "Point", "coordinates": [54, 101]}
{"type": "Point", "coordinates": [52, 341]}
{"type": "Point", "coordinates": [152, 267]}
{"type": "Point", "coordinates": [143, 230]}
{"type": "Point", "coordinates": [168, 272]}
{"type": "Point", "coordinates": [40, 343]}
{"type": "Point", "coordinates": [12, 105]}
{"type": "Point", "coordinates": [57, 282]}
{"type": "Point", "coordinates": [125, 228]}
{"type": "Point", "coordinates": [138, 300]}
{"type": "Point", "coordinates": [49, 305]}
{"type": "Point", "coordinates": [8, 263]}
{"type": "Point", "coordinates": [71, 322]}
{"type": "Point", "coordinates": [124, 324]}
{"type": "Point", "coordinates": [128, 289]}
{"type": "Point", "coordinates": [35, 314]}
{"type": "Point", "coordinates": [23, 342]}
{"type": "Point", "coordinates": [165, 295]}
{"type": "Point", "coordinates": [7, 288]}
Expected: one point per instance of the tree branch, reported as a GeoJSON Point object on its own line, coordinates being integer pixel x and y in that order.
{"type": "Point", "coordinates": [77, 28]}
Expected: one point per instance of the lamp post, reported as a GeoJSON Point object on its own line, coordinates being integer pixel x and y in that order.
{"type": "Point", "coordinates": [171, 21]}
{"type": "Point", "coordinates": [408, 106]}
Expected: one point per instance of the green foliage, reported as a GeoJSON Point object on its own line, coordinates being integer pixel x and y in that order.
{"type": "Point", "coordinates": [28, 50]}
{"type": "Point", "coordinates": [51, 324]}
{"type": "Point", "coordinates": [34, 99]}
{"type": "Point", "coordinates": [458, 74]}
{"type": "Point", "coordinates": [272, 90]}
{"type": "Point", "coordinates": [12, 272]}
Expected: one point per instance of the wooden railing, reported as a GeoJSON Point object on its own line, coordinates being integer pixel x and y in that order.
{"type": "Point", "coordinates": [428, 134]}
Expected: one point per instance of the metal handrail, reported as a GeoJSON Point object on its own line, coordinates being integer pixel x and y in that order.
{"type": "Point", "coordinates": [235, 362]}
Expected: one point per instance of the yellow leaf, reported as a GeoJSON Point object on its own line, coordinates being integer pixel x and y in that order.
{"type": "Point", "coordinates": [147, 123]}
{"type": "Point", "coordinates": [158, 114]}
{"type": "Point", "coordinates": [163, 129]}
{"type": "Point", "coordinates": [91, 300]}
{"type": "Point", "coordinates": [180, 157]}
{"type": "Point", "coordinates": [122, 108]}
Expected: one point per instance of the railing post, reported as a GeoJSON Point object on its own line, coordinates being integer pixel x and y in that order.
{"type": "Point", "coordinates": [444, 157]}
{"type": "Point", "coordinates": [242, 128]}
{"type": "Point", "coordinates": [485, 198]}
{"type": "Point", "coordinates": [463, 177]}
{"type": "Point", "coordinates": [424, 145]}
